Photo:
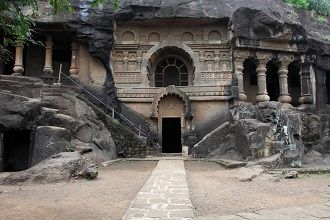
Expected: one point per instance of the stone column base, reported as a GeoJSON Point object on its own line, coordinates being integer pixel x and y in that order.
{"type": "Point", "coordinates": [262, 98]}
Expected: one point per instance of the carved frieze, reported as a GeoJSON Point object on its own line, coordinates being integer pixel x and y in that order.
{"type": "Point", "coordinates": [196, 91]}
{"type": "Point", "coordinates": [127, 77]}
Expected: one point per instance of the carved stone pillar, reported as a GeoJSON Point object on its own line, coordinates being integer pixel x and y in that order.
{"type": "Point", "coordinates": [305, 82]}
{"type": "Point", "coordinates": [216, 62]}
{"type": "Point", "coordinates": [18, 67]}
{"type": "Point", "coordinates": [283, 71]}
{"type": "Point", "coordinates": [48, 68]}
{"type": "Point", "coordinates": [202, 59]}
{"type": "Point", "coordinates": [263, 59]}
{"type": "Point", "coordinates": [239, 58]}
{"type": "Point", "coordinates": [125, 61]}
{"type": "Point", "coordinates": [262, 83]}
{"type": "Point", "coordinates": [73, 67]}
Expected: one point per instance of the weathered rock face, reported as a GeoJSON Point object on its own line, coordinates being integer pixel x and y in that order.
{"type": "Point", "coordinates": [271, 129]}
{"type": "Point", "coordinates": [224, 139]}
{"type": "Point", "coordinates": [93, 27]}
{"type": "Point", "coordinates": [249, 18]}
{"type": "Point", "coordinates": [58, 168]}
{"type": "Point", "coordinates": [49, 140]}
{"type": "Point", "coordinates": [61, 120]}
{"type": "Point", "coordinates": [17, 111]}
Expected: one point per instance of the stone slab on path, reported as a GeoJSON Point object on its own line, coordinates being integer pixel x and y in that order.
{"type": "Point", "coordinates": [165, 194]}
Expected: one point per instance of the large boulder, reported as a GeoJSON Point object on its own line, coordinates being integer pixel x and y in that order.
{"type": "Point", "coordinates": [58, 168]}
{"type": "Point", "coordinates": [256, 133]}
{"type": "Point", "coordinates": [224, 139]}
{"type": "Point", "coordinates": [260, 131]}
{"type": "Point", "coordinates": [81, 120]}
{"type": "Point", "coordinates": [269, 111]}
{"type": "Point", "coordinates": [244, 110]}
{"type": "Point", "coordinates": [49, 140]}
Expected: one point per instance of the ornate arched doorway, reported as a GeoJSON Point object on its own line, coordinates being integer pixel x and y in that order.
{"type": "Point", "coordinates": [171, 115]}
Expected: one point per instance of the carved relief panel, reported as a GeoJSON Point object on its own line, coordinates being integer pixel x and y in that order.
{"type": "Point", "coordinates": [207, 41]}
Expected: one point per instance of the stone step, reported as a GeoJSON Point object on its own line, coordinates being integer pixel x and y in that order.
{"type": "Point", "coordinates": [230, 164]}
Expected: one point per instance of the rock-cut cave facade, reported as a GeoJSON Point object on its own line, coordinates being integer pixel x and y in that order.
{"type": "Point", "coordinates": [179, 77]}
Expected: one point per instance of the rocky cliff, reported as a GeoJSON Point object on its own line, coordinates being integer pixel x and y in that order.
{"type": "Point", "coordinates": [248, 18]}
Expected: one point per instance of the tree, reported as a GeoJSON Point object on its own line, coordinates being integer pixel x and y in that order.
{"type": "Point", "coordinates": [17, 26]}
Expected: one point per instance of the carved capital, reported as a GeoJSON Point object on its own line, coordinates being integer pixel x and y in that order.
{"type": "Point", "coordinates": [264, 56]}
{"type": "Point", "coordinates": [285, 60]}
{"type": "Point", "coordinates": [241, 55]}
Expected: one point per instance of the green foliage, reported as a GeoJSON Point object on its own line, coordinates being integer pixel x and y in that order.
{"type": "Point", "coordinates": [61, 5]}
{"type": "Point", "coordinates": [298, 3]}
{"type": "Point", "coordinates": [321, 19]}
{"type": "Point", "coordinates": [322, 7]}
{"type": "Point", "coordinates": [14, 24]}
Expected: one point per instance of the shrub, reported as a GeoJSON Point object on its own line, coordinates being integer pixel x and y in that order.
{"type": "Point", "coordinates": [298, 3]}
{"type": "Point", "coordinates": [321, 7]}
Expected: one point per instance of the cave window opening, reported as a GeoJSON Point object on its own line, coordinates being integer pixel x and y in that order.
{"type": "Point", "coordinates": [171, 71]}
{"type": "Point", "coordinates": [294, 82]}
{"type": "Point", "coordinates": [273, 87]}
{"type": "Point", "coordinates": [8, 67]}
{"type": "Point", "coordinates": [15, 150]}
{"type": "Point", "coordinates": [61, 54]}
{"type": "Point", "coordinates": [250, 71]}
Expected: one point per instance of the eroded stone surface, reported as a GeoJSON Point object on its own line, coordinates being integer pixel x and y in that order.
{"type": "Point", "coordinates": [57, 168]}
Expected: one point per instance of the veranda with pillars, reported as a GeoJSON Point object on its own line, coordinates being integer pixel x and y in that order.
{"type": "Point", "coordinates": [262, 61]}
{"type": "Point", "coordinates": [48, 73]}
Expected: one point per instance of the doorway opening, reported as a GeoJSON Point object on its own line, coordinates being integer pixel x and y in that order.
{"type": "Point", "coordinates": [327, 85]}
{"type": "Point", "coordinates": [16, 150]}
{"type": "Point", "coordinates": [273, 85]}
{"type": "Point", "coordinates": [171, 135]}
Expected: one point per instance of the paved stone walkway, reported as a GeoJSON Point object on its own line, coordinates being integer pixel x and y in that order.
{"type": "Point", "coordinates": [307, 212]}
{"type": "Point", "coordinates": [165, 194]}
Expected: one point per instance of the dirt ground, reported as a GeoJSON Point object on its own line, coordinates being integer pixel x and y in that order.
{"type": "Point", "coordinates": [215, 191]}
{"type": "Point", "coordinates": [109, 195]}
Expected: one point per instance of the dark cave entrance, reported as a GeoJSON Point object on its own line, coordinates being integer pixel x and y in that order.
{"type": "Point", "coordinates": [15, 150]}
{"type": "Point", "coordinates": [171, 135]}
{"type": "Point", "coordinates": [273, 85]}
{"type": "Point", "coordinates": [327, 84]}
{"type": "Point", "coordinates": [294, 82]}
